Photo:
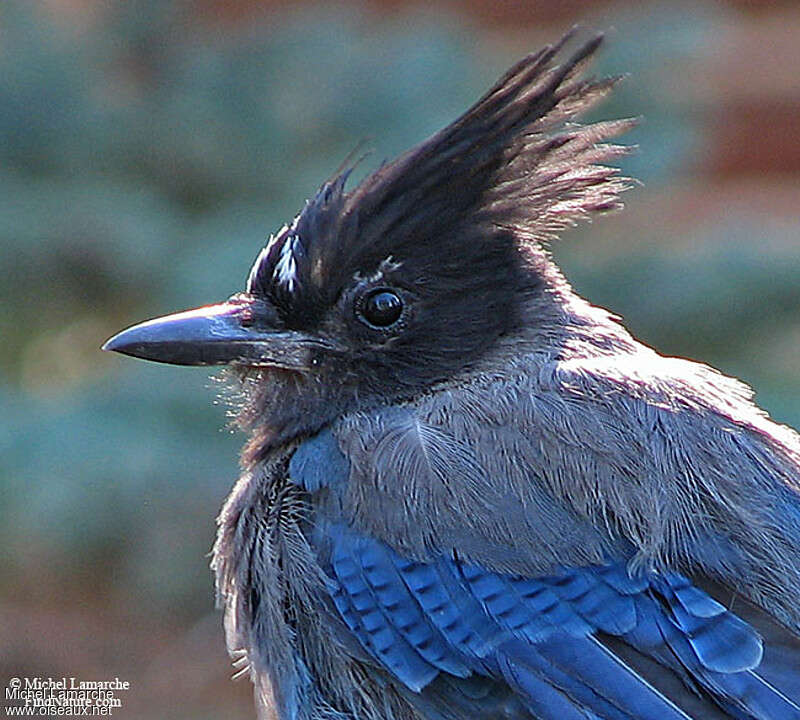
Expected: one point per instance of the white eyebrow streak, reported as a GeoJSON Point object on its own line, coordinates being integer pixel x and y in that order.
{"type": "Point", "coordinates": [285, 272]}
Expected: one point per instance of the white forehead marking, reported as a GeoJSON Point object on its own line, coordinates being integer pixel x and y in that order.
{"type": "Point", "coordinates": [286, 268]}
{"type": "Point", "coordinates": [260, 260]}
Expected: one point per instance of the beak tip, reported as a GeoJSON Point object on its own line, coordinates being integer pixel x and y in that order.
{"type": "Point", "coordinates": [112, 344]}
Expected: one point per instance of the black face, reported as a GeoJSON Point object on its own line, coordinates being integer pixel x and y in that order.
{"type": "Point", "coordinates": [378, 293]}
{"type": "Point", "coordinates": [382, 328]}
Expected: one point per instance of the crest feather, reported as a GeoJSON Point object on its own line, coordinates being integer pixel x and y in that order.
{"type": "Point", "coordinates": [513, 168]}
{"type": "Point", "coordinates": [512, 160]}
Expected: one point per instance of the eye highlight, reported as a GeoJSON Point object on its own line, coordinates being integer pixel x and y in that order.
{"type": "Point", "coordinates": [381, 308]}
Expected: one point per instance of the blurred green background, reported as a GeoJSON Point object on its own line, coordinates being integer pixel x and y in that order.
{"type": "Point", "coordinates": [148, 148]}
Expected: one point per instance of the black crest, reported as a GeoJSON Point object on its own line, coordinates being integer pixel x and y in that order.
{"type": "Point", "coordinates": [512, 170]}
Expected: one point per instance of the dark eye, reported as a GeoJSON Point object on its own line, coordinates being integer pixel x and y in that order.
{"type": "Point", "coordinates": [381, 308]}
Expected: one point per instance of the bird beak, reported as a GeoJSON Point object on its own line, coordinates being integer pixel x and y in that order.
{"type": "Point", "coordinates": [216, 335]}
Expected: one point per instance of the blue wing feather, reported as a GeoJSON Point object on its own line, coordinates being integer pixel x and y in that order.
{"type": "Point", "coordinates": [377, 617]}
{"type": "Point", "coordinates": [460, 619]}
{"type": "Point", "coordinates": [439, 626]}
{"type": "Point", "coordinates": [721, 641]}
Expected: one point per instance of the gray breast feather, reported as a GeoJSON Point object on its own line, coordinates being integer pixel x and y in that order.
{"type": "Point", "coordinates": [661, 460]}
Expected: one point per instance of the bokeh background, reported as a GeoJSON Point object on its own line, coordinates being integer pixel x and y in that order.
{"type": "Point", "coordinates": [147, 149]}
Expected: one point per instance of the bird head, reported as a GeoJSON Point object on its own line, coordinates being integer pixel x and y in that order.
{"type": "Point", "coordinates": [376, 294]}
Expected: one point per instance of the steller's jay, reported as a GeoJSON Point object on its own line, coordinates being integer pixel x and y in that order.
{"type": "Point", "coordinates": [467, 492]}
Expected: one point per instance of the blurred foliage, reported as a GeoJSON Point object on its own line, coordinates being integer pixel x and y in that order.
{"type": "Point", "coordinates": [145, 155]}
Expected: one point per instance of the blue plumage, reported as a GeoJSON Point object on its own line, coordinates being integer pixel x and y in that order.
{"type": "Point", "coordinates": [719, 639]}
{"type": "Point", "coordinates": [446, 615]}
{"type": "Point", "coordinates": [317, 462]}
